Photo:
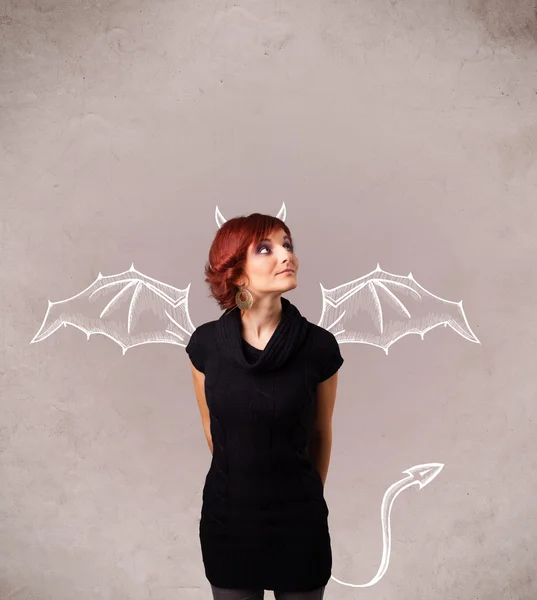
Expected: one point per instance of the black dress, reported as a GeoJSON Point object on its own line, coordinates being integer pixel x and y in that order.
{"type": "Point", "coordinates": [264, 519]}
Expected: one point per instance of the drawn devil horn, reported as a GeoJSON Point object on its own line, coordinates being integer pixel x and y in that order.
{"type": "Point", "coordinates": [220, 220]}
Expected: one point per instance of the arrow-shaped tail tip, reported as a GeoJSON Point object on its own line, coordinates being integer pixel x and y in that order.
{"type": "Point", "coordinates": [425, 473]}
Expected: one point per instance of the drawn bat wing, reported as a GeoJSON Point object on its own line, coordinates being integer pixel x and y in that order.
{"type": "Point", "coordinates": [380, 308]}
{"type": "Point", "coordinates": [129, 308]}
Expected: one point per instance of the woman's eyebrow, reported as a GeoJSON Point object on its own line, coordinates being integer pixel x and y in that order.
{"type": "Point", "coordinates": [285, 237]}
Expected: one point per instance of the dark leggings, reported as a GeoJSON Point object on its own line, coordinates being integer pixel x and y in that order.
{"type": "Point", "coordinates": [227, 594]}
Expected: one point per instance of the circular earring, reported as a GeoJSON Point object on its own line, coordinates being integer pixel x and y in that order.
{"type": "Point", "coordinates": [244, 304]}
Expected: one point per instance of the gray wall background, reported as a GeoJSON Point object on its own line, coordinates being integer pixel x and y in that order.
{"type": "Point", "coordinates": [402, 133]}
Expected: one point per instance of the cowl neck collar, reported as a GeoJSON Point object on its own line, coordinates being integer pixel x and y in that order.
{"type": "Point", "coordinates": [286, 340]}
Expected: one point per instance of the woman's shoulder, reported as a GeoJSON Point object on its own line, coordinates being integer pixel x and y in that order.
{"type": "Point", "coordinates": [204, 334]}
{"type": "Point", "coordinates": [321, 336]}
{"type": "Point", "coordinates": [205, 328]}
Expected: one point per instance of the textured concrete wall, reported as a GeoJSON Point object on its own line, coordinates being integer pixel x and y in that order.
{"type": "Point", "coordinates": [399, 133]}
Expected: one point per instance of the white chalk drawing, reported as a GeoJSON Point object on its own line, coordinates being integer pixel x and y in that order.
{"type": "Point", "coordinates": [378, 289]}
{"type": "Point", "coordinates": [130, 308]}
{"type": "Point", "coordinates": [377, 309]}
{"type": "Point", "coordinates": [419, 475]}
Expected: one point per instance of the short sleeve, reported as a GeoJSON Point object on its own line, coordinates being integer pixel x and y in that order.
{"type": "Point", "coordinates": [331, 359]}
{"type": "Point", "coordinates": [195, 352]}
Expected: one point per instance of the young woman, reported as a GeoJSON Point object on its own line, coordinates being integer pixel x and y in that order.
{"type": "Point", "coordinates": [265, 379]}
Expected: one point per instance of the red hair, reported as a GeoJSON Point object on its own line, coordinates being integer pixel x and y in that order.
{"type": "Point", "coordinates": [227, 255]}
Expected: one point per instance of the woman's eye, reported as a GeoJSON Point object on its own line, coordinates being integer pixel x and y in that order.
{"type": "Point", "coordinates": [286, 244]}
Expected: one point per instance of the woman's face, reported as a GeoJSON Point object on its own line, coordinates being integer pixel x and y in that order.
{"type": "Point", "coordinates": [266, 260]}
